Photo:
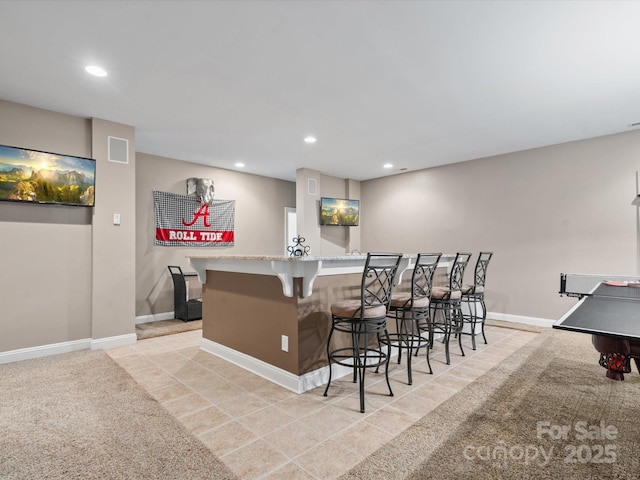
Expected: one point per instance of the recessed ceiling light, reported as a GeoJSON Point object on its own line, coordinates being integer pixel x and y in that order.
{"type": "Point", "coordinates": [388, 165]}
{"type": "Point", "coordinates": [239, 164]}
{"type": "Point", "coordinates": [96, 71]}
{"type": "Point", "coordinates": [310, 139]}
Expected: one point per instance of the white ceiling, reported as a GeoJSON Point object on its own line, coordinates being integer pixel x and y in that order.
{"type": "Point", "coordinates": [414, 83]}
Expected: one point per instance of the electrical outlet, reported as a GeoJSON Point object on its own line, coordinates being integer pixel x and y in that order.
{"type": "Point", "coordinates": [285, 343]}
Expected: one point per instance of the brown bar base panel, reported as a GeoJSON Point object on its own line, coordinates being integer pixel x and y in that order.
{"type": "Point", "coordinates": [249, 313]}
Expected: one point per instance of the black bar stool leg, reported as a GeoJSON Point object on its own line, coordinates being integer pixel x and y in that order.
{"type": "Point", "coordinates": [484, 317]}
{"type": "Point", "coordinates": [329, 359]}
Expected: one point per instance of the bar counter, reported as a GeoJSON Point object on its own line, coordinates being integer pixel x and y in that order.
{"type": "Point", "coordinates": [271, 314]}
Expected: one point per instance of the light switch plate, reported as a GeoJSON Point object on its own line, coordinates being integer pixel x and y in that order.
{"type": "Point", "coordinates": [116, 219]}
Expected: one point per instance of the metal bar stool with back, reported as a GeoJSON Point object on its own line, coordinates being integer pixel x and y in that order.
{"type": "Point", "coordinates": [447, 301]}
{"type": "Point", "coordinates": [364, 319]}
{"type": "Point", "coordinates": [410, 309]}
{"type": "Point", "coordinates": [473, 298]}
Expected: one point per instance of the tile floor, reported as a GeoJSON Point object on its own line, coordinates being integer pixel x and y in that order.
{"type": "Point", "coordinates": [263, 431]}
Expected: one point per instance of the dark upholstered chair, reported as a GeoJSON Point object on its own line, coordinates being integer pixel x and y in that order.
{"type": "Point", "coordinates": [446, 305]}
{"type": "Point", "coordinates": [184, 309]}
{"type": "Point", "coordinates": [473, 298]}
{"type": "Point", "coordinates": [364, 320]}
{"type": "Point", "coordinates": [411, 309]}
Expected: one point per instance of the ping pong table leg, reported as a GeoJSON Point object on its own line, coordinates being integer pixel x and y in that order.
{"type": "Point", "coordinates": [615, 355]}
{"type": "Point", "coordinates": [637, 361]}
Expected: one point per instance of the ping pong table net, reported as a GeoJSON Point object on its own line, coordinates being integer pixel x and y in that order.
{"type": "Point", "coordinates": [582, 284]}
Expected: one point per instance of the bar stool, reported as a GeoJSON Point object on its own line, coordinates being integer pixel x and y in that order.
{"type": "Point", "coordinates": [472, 295]}
{"type": "Point", "coordinates": [447, 301]}
{"type": "Point", "coordinates": [364, 319]}
{"type": "Point", "coordinates": [409, 309]}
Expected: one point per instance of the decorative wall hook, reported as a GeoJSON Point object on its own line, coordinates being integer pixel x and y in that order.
{"type": "Point", "coordinates": [298, 249]}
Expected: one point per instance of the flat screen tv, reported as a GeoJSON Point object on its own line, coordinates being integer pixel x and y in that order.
{"type": "Point", "coordinates": [339, 211]}
{"type": "Point", "coordinates": [32, 176]}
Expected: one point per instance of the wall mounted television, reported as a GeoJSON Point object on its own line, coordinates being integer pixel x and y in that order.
{"type": "Point", "coordinates": [339, 211]}
{"type": "Point", "coordinates": [32, 176]}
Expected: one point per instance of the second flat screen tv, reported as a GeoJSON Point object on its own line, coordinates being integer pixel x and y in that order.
{"type": "Point", "coordinates": [339, 211]}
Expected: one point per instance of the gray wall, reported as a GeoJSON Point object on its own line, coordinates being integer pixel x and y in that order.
{"type": "Point", "coordinates": [324, 240]}
{"type": "Point", "coordinates": [562, 208]}
{"type": "Point", "coordinates": [67, 272]}
{"type": "Point", "coordinates": [70, 274]}
{"type": "Point", "coordinates": [259, 222]}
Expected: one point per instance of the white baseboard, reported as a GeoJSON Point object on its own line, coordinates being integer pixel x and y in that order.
{"type": "Point", "coordinates": [288, 380]}
{"type": "Point", "coordinates": [539, 322]}
{"type": "Point", "coordinates": [113, 342]}
{"type": "Point", "coordinates": [44, 350]}
{"type": "Point", "coordinates": [156, 317]}
{"type": "Point", "coordinates": [66, 347]}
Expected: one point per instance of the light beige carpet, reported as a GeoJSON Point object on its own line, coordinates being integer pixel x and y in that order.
{"type": "Point", "coordinates": [537, 415]}
{"type": "Point", "coordinates": [80, 416]}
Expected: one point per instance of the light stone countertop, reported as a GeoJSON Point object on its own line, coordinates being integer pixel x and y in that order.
{"type": "Point", "coordinates": [286, 268]}
{"type": "Point", "coordinates": [277, 257]}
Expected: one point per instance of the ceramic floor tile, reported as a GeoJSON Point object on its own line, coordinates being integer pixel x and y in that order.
{"type": "Point", "coordinates": [502, 349]}
{"type": "Point", "coordinates": [185, 405]}
{"type": "Point", "coordinates": [252, 383]}
{"type": "Point", "coordinates": [480, 364]}
{"type": "Point", "coordinates": [241, 404]}
{"type": "Point", "coordinates": [333, 418]}
{"type": "Point", "coordinates": [270, 392]}
{"type": "Point", "coordinates": [191, 372]}
{"type": "Point", "coordinates": [488, 357]}
{"type": "Point", "coordinates": [208, 360]}
{"type": "Point", "coordinates": [415, 405]}
{"type": "Point", "coordinates": [254, 460]}
{"type": "Point", "coordinates": [230, 371]}
{"type": "Point", "coordinates": [400, 385]}
{"type": "Point", "coordinates": [372, 402]}
{"type": "Point", "coordinates": [263, 431]}
{"type": "Point", "coordinates": [290, 471]}
{"type": "Point", "coordinates": [169, 361]}
{"type": "Point", "coordinates": [363, 437]}
{"type": "Point", "coordinates": [121, 351]}
{"type": "Point", "coordinates": [434, 392]}
{"type": "Point", "coordinates": [453, 381]}
{"type": "Point", "coordinates": [328, 460]}
{"type": "Point", "coordinates": [294, 439]}
{"type": "Point", "coordinates": [466, 371]}
{"type": "Point", "coordinates": [170, 392]}
{"type": "Point", "coordinates": [262, 422]}
{"type": "Point", "coordinates": [134, 362]}
{"type": "Point", "coordinates": [153, 378]}
{"type": "Point", "coordinates": [217, 391]}
{"type": "Point", "coordinates": [300, 405]}
{"type": "Point", "coordinates": [226, 438]}
{"type": "Point", "coordinates": [390, 420]}
{"type": "Point", "coordinates": [203, 420]}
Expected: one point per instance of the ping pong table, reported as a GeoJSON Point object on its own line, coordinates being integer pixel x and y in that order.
{"type": "Point", "coordinates": [609, 310]}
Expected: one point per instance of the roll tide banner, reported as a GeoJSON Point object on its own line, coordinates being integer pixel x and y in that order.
{"type": "Point", "coordinates": [183, 220]}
